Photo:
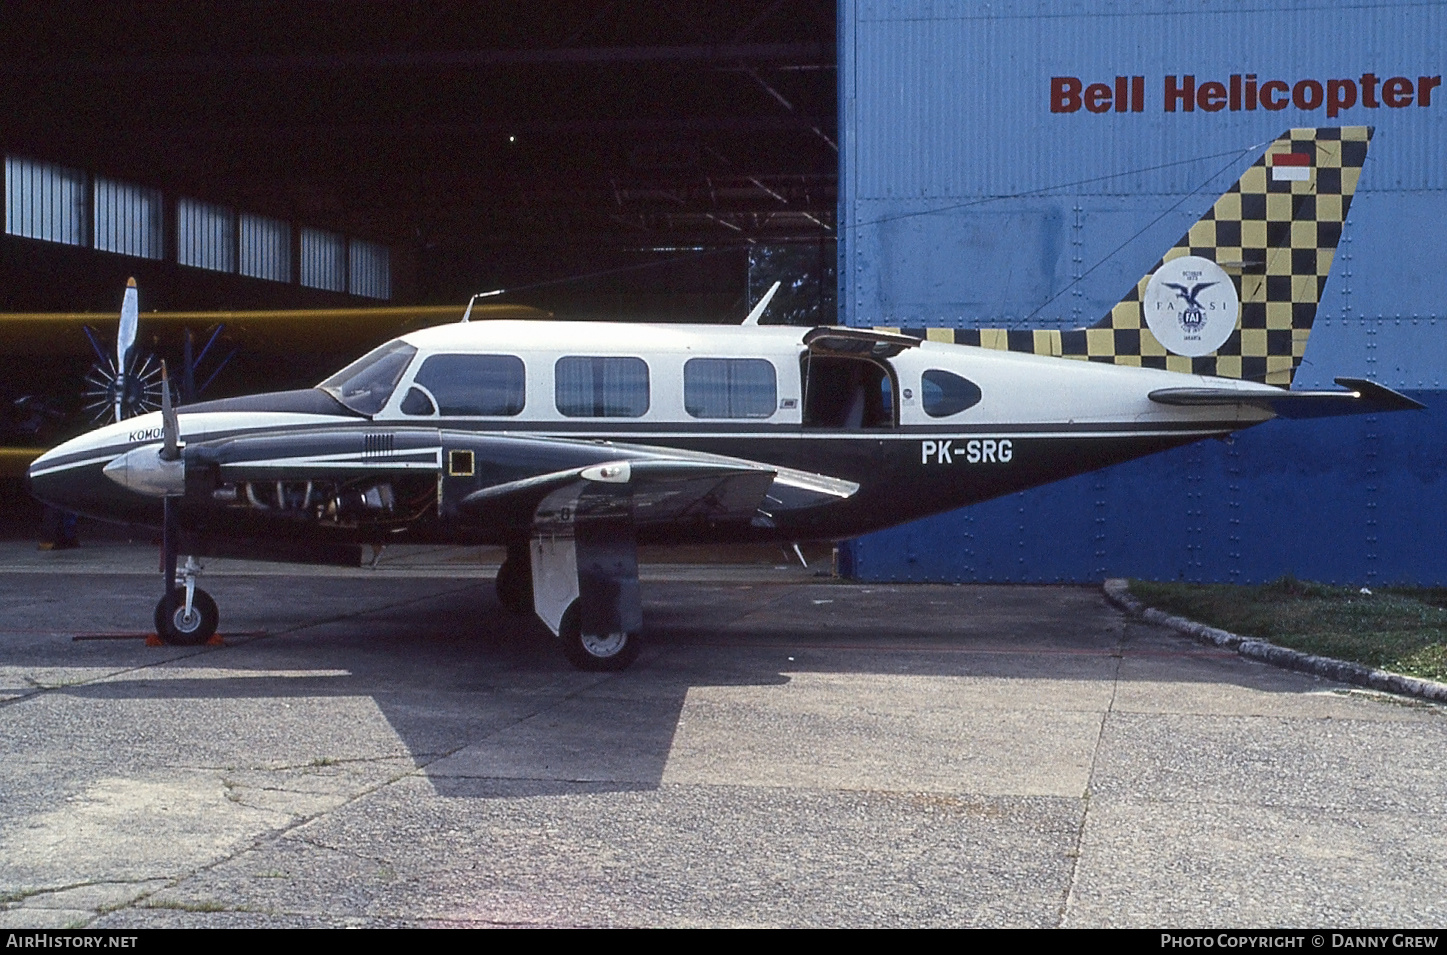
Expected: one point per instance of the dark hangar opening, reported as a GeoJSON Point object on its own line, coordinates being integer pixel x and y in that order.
{"type": "Point", "coordinates": [605, 160]}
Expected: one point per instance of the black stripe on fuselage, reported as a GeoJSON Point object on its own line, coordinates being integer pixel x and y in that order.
{"type": "Point", "coordinates": [667, 432]}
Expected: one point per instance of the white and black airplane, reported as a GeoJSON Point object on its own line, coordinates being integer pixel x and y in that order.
{"type": "Point", "coordinates": [572, 443]}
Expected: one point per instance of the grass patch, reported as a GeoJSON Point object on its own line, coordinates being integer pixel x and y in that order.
{"type": "Point", "coordinates": [1399, 629]}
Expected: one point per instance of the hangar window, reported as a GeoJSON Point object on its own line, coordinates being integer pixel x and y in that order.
{"type": "Point", "coordinates": [128, 219]}
{"type": "Point", "coordinates": [943, 393]}
{"type": "Point", "coordinates": [468, 385]}
{"type": "Point", "coordinates": [365, 385]}
{"type": "Point", "coordinates": [369, 270]}
{"type": "Point", "coordinates": [205, 236]}
{"type": "Point", "coordinates": [265, 248]}
{"type": "Point", "coordinates": [323, 260]}
{"type": "Point", "coordinates": [729, 388]}
{"type": "Point", "coordinates": [45, 201]}
{"type": "Point", "coordinates": [590, 387]}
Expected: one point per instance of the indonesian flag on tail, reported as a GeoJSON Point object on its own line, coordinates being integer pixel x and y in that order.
{"type": "Point", "coordinates": [1291, 167]}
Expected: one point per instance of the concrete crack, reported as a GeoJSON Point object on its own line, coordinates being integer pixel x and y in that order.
{"type": "Point", "coordinates": [1085, 800]}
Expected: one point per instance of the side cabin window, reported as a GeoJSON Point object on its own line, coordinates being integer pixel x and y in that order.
{"type": "Point", "coordinates": [467, 386]}
{"type": "Point", "coordinates": [944, 393]}
{"type": "Point", "coordinates": [847, 393]}
{"type": "Point", "coordinates": [730, 388]}
{"type": "Point", "coordinates": [601, 387]}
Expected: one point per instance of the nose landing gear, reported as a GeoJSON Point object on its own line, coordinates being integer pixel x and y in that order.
{"type": "Point", "coordinates": [186, 616]}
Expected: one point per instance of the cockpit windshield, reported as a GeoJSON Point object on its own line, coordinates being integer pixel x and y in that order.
{"type": "Point", "coordinates": [367, 383]}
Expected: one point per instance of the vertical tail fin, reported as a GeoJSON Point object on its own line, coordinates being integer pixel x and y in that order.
{"type": "Point", "coordinates": [1266, 245]}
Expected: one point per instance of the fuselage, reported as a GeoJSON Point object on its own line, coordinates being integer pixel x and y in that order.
{"type": "Point", "coordinates": [918, 429]}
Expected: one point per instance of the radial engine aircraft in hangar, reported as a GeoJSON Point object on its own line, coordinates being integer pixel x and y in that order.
{"type": "Point", "coordinates": [571, 444]}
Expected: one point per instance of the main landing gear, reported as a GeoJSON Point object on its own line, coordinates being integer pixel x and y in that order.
{"type": "Point", "coordinates": [186, 615]}
{"type": "Point", "coordinates": [596, 652]}
{"type": "Point", "coordinates": [612, 647]}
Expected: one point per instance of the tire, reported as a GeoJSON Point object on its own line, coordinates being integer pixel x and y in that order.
{"type": "Point", "coordinates": [515, 586]}
{"type": "Point", "coordinates": [172, 626]}
{"type": "Point", "coordinates": [593, 653]}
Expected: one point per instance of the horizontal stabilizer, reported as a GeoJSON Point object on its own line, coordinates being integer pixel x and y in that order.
{"type": "Point", "coordinates": [1365, 397]}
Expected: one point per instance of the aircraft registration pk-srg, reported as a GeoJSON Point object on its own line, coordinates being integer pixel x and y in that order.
{"type": "Point", "coordinates": [572, 443]}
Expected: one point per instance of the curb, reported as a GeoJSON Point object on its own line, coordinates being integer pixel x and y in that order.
{"type": "Point", "coordinates": [1117, 591]}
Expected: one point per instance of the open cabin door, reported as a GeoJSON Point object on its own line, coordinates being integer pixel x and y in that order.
{"type": "Point", "coordinates": [849, 383]}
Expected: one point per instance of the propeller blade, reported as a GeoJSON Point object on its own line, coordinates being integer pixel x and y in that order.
{"type": "Point", "coordinates": [130, 318]}
{"type": "Point", "coordinates": [125, 338]}
{"type": "Point", "coordinates": [170, 427]}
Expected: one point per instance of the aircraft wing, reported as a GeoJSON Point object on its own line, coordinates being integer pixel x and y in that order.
{"type": "Point", "coordinates": [659, 490]}
{"type": "Point", "coordinates": [649, 486]}
{"type": "Point", "coordinates": [1363, 397]}
{"type": "Point", "coordinates": [664, 489]}
{"type": "Point", "coordinates": [521, 480]}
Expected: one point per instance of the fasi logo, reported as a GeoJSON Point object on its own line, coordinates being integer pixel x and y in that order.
{"type": "Point", "coordinates": [1191, 306]}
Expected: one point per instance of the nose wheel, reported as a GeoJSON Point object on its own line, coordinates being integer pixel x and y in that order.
{"type": "Point", "coordinates": [180, 626]}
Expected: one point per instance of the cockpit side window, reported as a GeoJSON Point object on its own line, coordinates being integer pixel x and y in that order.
{"type": "Point", "coordinates": [468, 386]}
{"type": "Point", "coordinates": [365, 385]}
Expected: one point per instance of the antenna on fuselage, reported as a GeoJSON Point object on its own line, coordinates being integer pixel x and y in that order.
{"type": "Point", "coordinates": [753, 317]}
{"type": "Point", "coordinates": [467, 315]}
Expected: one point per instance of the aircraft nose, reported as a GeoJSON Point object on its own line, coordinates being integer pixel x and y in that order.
{"type": "Point", "coordinates": [72, 475]}
{"type": "Point", "coordinates": [44, 478]}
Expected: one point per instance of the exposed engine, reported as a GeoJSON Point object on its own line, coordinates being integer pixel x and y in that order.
{"type": "Point", "coordinates": [341, 503]}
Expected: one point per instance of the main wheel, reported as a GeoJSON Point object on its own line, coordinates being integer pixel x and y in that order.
{"type": "Point", "coordinates": [175, 627]}
{"type": "Point", "coordinates": [515, 586]}
{"type": "Point", "coordinates": [612, 651]}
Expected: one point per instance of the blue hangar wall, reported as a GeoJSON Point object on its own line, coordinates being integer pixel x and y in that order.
{"type": "Point", "coordinates": [975, 192]}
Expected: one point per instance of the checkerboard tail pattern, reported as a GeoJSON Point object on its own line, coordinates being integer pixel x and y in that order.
{"type": "Point", "coordinates": [1275, 232]}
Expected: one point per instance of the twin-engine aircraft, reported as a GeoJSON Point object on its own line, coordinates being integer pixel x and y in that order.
{"type": "Point", "coordinates": [572, 443]}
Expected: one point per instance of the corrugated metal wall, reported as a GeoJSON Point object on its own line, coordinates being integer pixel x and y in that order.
{"type": "Point", "coordinates": [965, 201]}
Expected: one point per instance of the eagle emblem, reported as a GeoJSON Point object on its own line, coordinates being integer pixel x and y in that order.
{"type": "Point", "coordinates": [1193, 316]}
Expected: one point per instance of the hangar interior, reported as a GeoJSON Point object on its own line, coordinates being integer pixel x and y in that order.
{"type": "Point", "coordinates": [607, 159]}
